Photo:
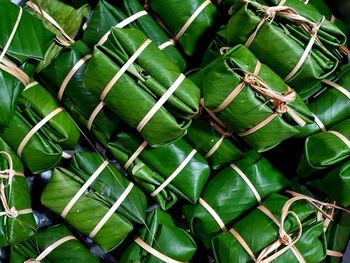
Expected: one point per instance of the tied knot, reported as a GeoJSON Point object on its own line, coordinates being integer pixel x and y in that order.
{"type": "Point", "coordinates": [285, 239]}
{"type": "Point", "coordinates": [7, 173]}
{"type": "Point", "coordinates": [12, 212]}
{"type": "Point", "coordinates": [250, 79]}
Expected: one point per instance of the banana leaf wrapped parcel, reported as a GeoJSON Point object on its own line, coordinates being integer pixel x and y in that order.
{"type": "Point", "coordinates": [270, 234]}
{"type": "Point", "coordinates": [253, 101]}
{"type": "Point", "coordinates": [111, 184]}
{"type": "Point", "coordinates": [129, 13]}
{"type": "Point", "coordinates": [331, 106]}
{"type": "Point", "coordinates": [287, 29]}
{"type": "Point", "coordinates": [39, 128]}
{"type": "Point", "coordinates": [86, 204]}
{"type": "Point", "coordinates": [64, 79]}
{"type": "Point", "coordinates": [53, 244]}
{"type": "Point", "coordinates": [233, 191]}
{"type": "Point", "coordinates": [23, 36]}
{"type": "Point", "coordinates": [216, 148]}
{"type": "Point", "coordinates": [36, 103]}
{"type": "Point", "coordinates": [335, 148]}
{"type": "Point", "coordinates": [335, 184]}
{"type": "Point", "coordinates": [168, 172]}
{"type": "Point", "coordinates": [190, 22]}
{"type": "Point", "coordinates": [129, 69]}
{"type": "Point", "coordinates": [17, 222]}
{"type": "Point", "coordinates": [160, 241]}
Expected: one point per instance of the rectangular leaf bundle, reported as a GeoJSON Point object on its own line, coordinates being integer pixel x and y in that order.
{"type": "Point", "coordinates": [287, 29]}
{"type": "Point", "coordinates": [261, 236]}
{"type": "Point", "coordinates": [86, 209]}
{"type": "Point", "coordinates": [160, 241]}
{"type": "Point", "coordinates": [23, 35]}
{"type": "Point", "coordinates": [165, 172]}
{"type": "Point", "coordinates": [234, 190]}
{"type": "Point", "coordinates": [53, 244]}
{"type": "Point", "coordinates": [216, 148]}
{"type": "Point", "coordinates": [39, 128]}
{"type": "Point", "coordinates": [251, 100]}
{"type": "Point", "coordinates": [17, 222]}
{"type": "Point", "coordinates": [129, 13]}
{"type": "Point", "coordinates": [64, 78]}
{"type": "Point", "coordinates": [331, 106]}
{"type": "Point", "coordinates": [190, 22]}
{"type": "Point", "coordinates": [335, 148]}
{"type": "Point", "coordinates": [129, 69]}
{"type": "Point", "coordinates": [111, 184]}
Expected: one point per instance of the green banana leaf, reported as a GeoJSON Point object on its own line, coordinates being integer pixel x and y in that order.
{"type": "Point", "coordinates": [40, 154]}
{"type": "Point", "coordinates": [330, 34]}
{"type": "Point", "coordinates": [174, 14]}
{"type": "Point", "coordinates": [31, 39]}
{"type": "Point", "coordinates": [338, 234]}
{"type": "Point", "coordinates": [282, 38]}
{"type": "Point", "coordinates": [36, 103]}
{"type": "Point", "coordinates": [87, 212]}
{"type": "Point", "coordinates": [154, 165]}
{"type": "Point", "coordinates": [150, 76]}
{"type": "Point", "coordinates": [259, 231]}
{"type": "Point", "coordinates": [106, 16]}
{"type": "Point", "coordinates": [14, 229]}
{"type": "Point", "coordinates": [251, 107]}
{"type": "Point", "coordinates": [68, 18]}
{"type": "Point", "coordinates": [324, 9]}
{"type": "Point", "coordinates": [77, 100]}
{"type": "Point", "coordinates": [331, 106]}
{"type": "Point", "coordinates": [203, 137]}
{"type": "Point", "coordinates": [10, 90]}
{"type": "Point", "coordinates": [111, 184]}
{"type": "Point", "coordinates": [334, 150]}
{"type": "Point", "coordinates": [161, 234]}
{"type": "Point", "coordinates": [335, 184]}
{"type": "Point", "coordinates": [223, 191]}
{"type": "Point", "coordinates": [68, 252]}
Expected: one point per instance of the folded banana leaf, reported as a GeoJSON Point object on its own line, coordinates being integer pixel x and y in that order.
{"type": "Point", "coordinates": [66, 248]}
{"type": "Point", "coordinates": [259, 231]}
{"type": "Point", "coordinates": [111, 184]}
{"type": "Point", "coordinates": [106, 16]}
{"type": "Point", "coordinates": [335, 184]}
{"type": "Point", "coordinates": [259, 179]}
{"type": "Point", "coordinates": [172, 244]}
{"type": "Point", "coordinates": [324, 9]}
{"type": "Point", "coordinates": [191, 22]}
{"type": "Point", "coordinates": [169, 99]}
{"type": "Point", "coordinates": [17, 221]}
{"type": "Point", "coordinates": [39, 154]}
{"type": "Point", "coordinates": [11, 88]}
{"type": "Point", "coordinates": [64, 78]}
{"type": "Point", "coordinates": [338, 234]}
{"type": "Point", "coordinates": [331, 106]}
{"type": "Point", "coordinates": [36, 103]}
{"type": "Point", "coordinates": [216, 148]}
{"type": "Point", "coordinates": [86, 212]}
{"type": "Point", "coordinates": [252, 100]}
{"type": "Point", "coordinates": [329, 34]}
{"type": "Point", "coordinates": [302, 45]}
{"type": "Point", "coordinates": [31, 39]}
{"type": "Point", "coordinates": [61, 19]}
{"type": "Point", "coordinates": [335, 148]}
{"type": "Point", "coordinates": [166, 172]}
